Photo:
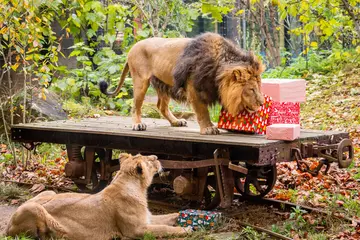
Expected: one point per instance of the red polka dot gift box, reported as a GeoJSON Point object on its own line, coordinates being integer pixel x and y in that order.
{"type": "Point", "coordinates": [247, 122]}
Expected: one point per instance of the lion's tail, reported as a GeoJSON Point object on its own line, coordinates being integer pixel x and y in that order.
{"type": "Point", "coordinates": [103, 85]}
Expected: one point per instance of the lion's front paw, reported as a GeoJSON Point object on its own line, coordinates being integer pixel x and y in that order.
{"type": "Point", "coordinates": [139, 127]}
{"type": "Point", "coordinates": [210, 131]}
{"type": "Point", "coordinates": [179, 123]}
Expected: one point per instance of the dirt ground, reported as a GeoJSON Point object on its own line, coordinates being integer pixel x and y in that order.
{"type": "Point", "coordinates": [5, 214]}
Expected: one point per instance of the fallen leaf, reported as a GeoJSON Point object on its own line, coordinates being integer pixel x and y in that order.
{"type": "Point", "coordinates": [14, 202]}
{"type": "Point", "coordinates": [36, 188]}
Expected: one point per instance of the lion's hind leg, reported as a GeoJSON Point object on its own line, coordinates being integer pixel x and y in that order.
{"type": "Point", "coordinates": [140, 87]}
{"type": "Point", "coordinates": [163, 92]}
{"type": "Point", "coordinates": [33, 219]}
{"type": "Point", "coordinates": [163, 106]}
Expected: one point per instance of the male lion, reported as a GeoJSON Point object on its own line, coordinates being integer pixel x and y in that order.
{"type": "Point", "coordinates": [201, 71]}
{"type": "Point", "coordinates": [120, 210]}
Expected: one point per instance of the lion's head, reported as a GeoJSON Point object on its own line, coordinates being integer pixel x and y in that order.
{"type": "Point", "coordinates": [140, 167]}
{"type": "Point", "coordinates": [240, 86]}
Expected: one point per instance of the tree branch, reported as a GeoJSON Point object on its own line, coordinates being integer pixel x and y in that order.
{"type": "Point", "coordinates": [352, 15]}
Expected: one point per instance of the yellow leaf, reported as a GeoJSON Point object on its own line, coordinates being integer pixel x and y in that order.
{"type": "Point", "coordinates": [43, 96]}
{"type": "Point", "coordinates": [278, 28]}
{"type": "Point", "coordinates": [275, 2]}
{"type": "Point", "coordinates": [15, 66]}
{"type": "Point", "coordinates": [241, 11]}
{"type": "Point", "coordinates": [358, 49]}
{"type": "Point", "coordinates": [17, 58]}
{"type": "Point", "coordinates": [3, 30]}
{"type": "Point", "coordinates": [38, 19]}
{"type": "Point", "coordinates": [314, 44]}
{"type": "Point", "coordinates": [346, 55]}
{"type": "Point", "coordinates": [306, 50]}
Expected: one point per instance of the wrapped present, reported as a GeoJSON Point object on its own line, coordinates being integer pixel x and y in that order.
{"type": "Point", "coordinates": [284, 90]}
{"type": "Point", "coordinates": [284, 112]}
{"type": "Point", "coordinates": [248, 122]}
{"type": "Point", "coordinates": [287, 132]}
{"type": "Point", "coordinates": [198, 218]}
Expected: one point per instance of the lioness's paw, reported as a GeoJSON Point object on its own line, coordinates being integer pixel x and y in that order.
{"type": "Point", "coordinates": [188, 229]}
{"type": "Point", "coordinates": [210, 131]}
{"type": "Point", "coordinates": [179, 123]}
{"type": "Point", "coordinates": [139, 127]}
{"type": "Point", "coordinates": [173, 218]}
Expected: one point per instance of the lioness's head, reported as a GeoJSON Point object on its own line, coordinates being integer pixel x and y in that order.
{"type": "Point", "coordinates": [141, 167]}
{"type": "Point", "coordinates": [240, 87]}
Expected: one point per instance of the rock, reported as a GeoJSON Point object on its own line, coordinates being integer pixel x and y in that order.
{"type": "Point", "coordinates": [49, 105]}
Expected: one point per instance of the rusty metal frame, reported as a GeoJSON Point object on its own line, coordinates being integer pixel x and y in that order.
{"type": "Point", "coordinates": [327, 153]}
{"type": "Point", "coordinates": [173, 164]}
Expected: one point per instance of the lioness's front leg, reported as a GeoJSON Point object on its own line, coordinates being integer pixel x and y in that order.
{"type": "Point", "coordinates": [167, 219]}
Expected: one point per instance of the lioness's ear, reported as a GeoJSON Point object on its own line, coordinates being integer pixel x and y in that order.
{"type": "Point", "coordinates": [240, 74]}
{"type": "Point", "coordinates": [124, 156]}
{"type": "Point", "coordinates": [139, 169]}
{"type": "Point", "coordinates": [153, 157]}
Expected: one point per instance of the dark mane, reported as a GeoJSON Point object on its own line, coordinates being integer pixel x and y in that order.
{"type": "Point", "coordinates": [202, 61]}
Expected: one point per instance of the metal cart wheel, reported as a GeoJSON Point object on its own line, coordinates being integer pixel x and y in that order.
{"type": "Point", "coordinates": [257, 182]}
{"type": "Point", "coordinates": [95, 185]}
{"type": "Point", "coordinates": [211, 193]}
{"type": "Point", "coordinates": [84, 169]}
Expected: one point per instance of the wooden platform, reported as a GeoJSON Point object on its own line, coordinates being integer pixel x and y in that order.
{"type": "Point", "coordinates": [160, 137]}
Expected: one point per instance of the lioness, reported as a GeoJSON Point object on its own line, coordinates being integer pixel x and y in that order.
{"type": "Point", "coordinates": [201, 71]}
{"type": "Point", "coordinates": [120, 210]}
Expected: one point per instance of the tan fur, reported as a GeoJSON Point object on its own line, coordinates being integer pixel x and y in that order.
{"type": "Point", "coordinates": [239, 88]}
{"type": "Point", "coordinates": [120, 210]}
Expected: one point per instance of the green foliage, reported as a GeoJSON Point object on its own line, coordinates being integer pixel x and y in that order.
{"type": "Point", "coordinates": [324, 20]}
{"type": "Point", "coordinates": [350, 206]}
{"type": "Point", "coordinates": [82, 108]}
{"type": "Point", "coordinates": [149, 236]}
{"type": "Point", "coordinates": [6, 157]}
{"type": "Point", "coordinates": [249, 233]}
{"type": "Point", "coordinates": [323, 62]}
{"type": "Point", "coordinates": [29, 32]}
{"type": "Point", "coordinates": [21, 237]}
{"type": "Point", "coordinates": [216, 8]}
{"type": "Point", "coordinates": [165, 18]}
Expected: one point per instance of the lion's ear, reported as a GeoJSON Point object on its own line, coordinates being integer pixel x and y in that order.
{"type": "Point", "coordinates": [240, 74]}
{"type": "Point", "coordinates": [139, 169]}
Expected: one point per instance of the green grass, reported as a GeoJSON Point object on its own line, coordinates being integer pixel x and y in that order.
{"type": "Point", "coordinates": [21, 237]}
{"type": "Point", "coordinates": [11, 191]}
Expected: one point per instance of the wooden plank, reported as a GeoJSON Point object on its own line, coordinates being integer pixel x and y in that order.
{"type": "Point", "coordinates": [158, 129]}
